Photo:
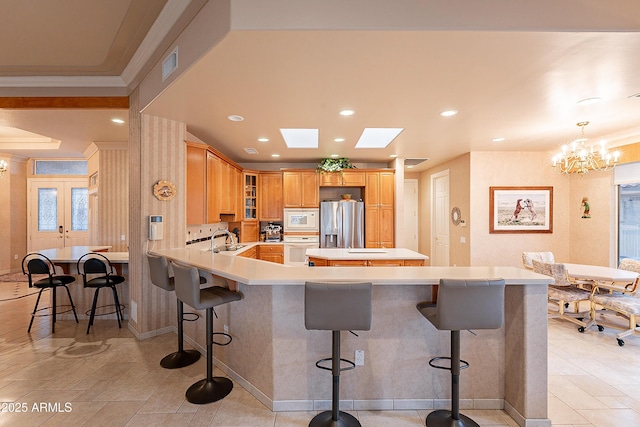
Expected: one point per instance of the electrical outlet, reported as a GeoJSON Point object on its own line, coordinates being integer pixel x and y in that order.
{"type": "Point", "coordinates": [123, 237]}
{"type": "Point", "coordinates": [226, 329]}
{"type": "Point", "coordinates": [359, 357]}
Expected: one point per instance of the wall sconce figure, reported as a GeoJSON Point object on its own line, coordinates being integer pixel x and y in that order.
{"type": "Point", "coordinates": [3, 168]}
{"type": "Point", "coordinates": [585, 206]}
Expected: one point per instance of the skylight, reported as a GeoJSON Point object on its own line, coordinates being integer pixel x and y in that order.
{"type": "Point", "coordinates": [300, 138]}
{"type": "Point", "coordinates": [377, 137]}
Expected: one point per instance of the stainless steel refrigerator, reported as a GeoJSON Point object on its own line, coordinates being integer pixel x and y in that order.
{"type": "Point", "coordinates": [342, 224]}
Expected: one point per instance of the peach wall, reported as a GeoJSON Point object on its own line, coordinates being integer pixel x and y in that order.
{"type": "Point", "coordinates": [516, 169]}
{"type": "Point", "coordinates": [459, 253]}
{"type": "Point", "coordinates": [13, 215]}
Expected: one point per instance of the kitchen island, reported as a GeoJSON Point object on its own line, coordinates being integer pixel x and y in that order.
{"type": "Point", "coordinates": [365, 257]}
{"type": "Point", "coordinates": [273, 356]}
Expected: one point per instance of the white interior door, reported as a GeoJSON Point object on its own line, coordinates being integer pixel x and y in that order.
{"type": "Point", "coordinates": [411, 214]}
{"type": "Point", "coordinates": [440, 218]}
{"type": "Point", "coordinates": [58, 213]}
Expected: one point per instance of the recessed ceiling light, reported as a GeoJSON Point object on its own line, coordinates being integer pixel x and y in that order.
{"type": "Point", "coordinates": [251, 150]}
{"type": "Point", "coordinates": [300, 138]}
{"type": "Point", "coordinates": [335, 155]}
{"type": "Point", "coordinates": [377, 137]}
{"type": "Point", "coordinates": [275, 155]}
{"type": "Point", "coordinates": [338, 140]}
{"type": "Point", "coordinates": [347, 112]}
{"type": "Point", "coordinates": [235, 118]}
{"type": "Point", "coordinates": [500, 139]}
{"type": "Point", "coordinates": [448, 113]}
{"type": "Point", "coordinates": [118, 121]}
{"type": "Point", "coordinates": [263, 139]}
{"type": "Point", "coordinates": [393, 156]}
{"type": "Point", "coordinates": [409, 166]}
{"type": "Point", "coordinates": [589, 101]}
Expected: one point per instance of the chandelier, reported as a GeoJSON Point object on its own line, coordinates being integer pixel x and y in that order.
{"type": "Point", "coordinates": [578, 158]}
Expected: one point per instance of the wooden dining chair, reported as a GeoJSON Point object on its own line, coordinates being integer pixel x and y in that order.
{"type": "Point", "coordinates": [624, 302]}
{"type": "Point", "coordinates": [564, 292]}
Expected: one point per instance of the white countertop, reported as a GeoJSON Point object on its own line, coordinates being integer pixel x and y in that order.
{"type": "Point", "coordinates": [73, 253]}
{"type": "Point", "coordinates": [364, 254]}
{"type": "Point", "coordinates": [256, 272]}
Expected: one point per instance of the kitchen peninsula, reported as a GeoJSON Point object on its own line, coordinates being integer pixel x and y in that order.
{"type": "Point", "coordinates": [273, 355]}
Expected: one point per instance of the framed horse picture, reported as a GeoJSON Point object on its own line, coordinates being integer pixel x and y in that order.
{"type": "Point", "coordinates": [520, 209]}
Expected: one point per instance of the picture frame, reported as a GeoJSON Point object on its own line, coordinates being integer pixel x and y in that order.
{"type": "Point", "coordinates": [520, 209]}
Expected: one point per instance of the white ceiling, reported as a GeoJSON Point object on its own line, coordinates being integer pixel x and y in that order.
{"type": "Point", "coordinates": [506, 78]}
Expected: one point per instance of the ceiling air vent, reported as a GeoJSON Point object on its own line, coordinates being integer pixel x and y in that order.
{"type": "Point", "coordinates": [251, 150]}
{"type": "Point", "coordinates": [414, 162]}
{"type": "Point", "coordinates": [170, 64]}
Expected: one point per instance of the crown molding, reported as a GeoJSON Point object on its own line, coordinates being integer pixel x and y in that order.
{"type": "Point", "coordinates": [62, 82]}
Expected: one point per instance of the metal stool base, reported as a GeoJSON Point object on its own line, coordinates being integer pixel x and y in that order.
{"type": "Point", "coordinates": [180, 359]}
{"type": "Point", "coordinates": [442, 418]}
{"type": "Point", "coordinates": [209, 391]}
{"type": "Point", "coordinates": [325, 419]}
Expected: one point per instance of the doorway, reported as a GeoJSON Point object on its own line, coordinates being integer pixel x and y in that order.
{"type": "Point", "coordinates": [440, 219]}
{"type": "Point", "coordinates": [57, 213]}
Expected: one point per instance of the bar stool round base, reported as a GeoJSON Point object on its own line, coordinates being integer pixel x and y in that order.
{"type": "Point", "coordinates": [324, 419]}
{"type": "Point", "coordinates": [209, 391]}
{"type": "Point", "coordinates": [442, 418]}
{"type": "Point", "coordinates": [180, 359]}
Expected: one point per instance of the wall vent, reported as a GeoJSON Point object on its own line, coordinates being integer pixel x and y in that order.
{"type": "Point", "coordinates": [251, 150]}
{"type": "Point", "coordinates": [414, 162]}
{"type": "Point", "coordinates": [170, 64]}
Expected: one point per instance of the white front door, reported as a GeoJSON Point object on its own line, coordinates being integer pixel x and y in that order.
{"type": "Point", "coordinates": [440, 218]}
{"type": "Point", "coordinates": [58, 213]}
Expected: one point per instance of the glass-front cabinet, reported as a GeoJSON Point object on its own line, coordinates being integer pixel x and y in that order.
{"type": "Point", "coordinates": [250, 195]}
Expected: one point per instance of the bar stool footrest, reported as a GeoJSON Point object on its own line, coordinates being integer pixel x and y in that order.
{"type": "Point", "coordinates": [351, 364]}
{"type": "Point", "coordinates": [227, 336]}
{"type": "Point", "coordinates": [463, 363]}
{"type": "Point", "coordinates": [443, 418]}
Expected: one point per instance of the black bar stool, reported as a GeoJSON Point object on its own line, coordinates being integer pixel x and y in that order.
{"type": "Point", "coordinates": [36, 264]}
{"type": "Point", "coordinates": [336, 307]}
{"type": "Point", "coordinates": [159, 272]}
{"type": "Point", "coordinates": [187, 281]}
{"type": "Point", "coordinates": [462, 305]}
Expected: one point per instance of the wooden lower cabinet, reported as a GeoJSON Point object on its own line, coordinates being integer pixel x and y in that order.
{"type": "Point", "coordinates": [272, 253]}
{"type": "Point", "coordinates": [250, 253]}
{"type": "Point", "coordinates": [321, 262]}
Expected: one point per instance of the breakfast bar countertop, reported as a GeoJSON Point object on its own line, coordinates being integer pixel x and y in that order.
{"type": "Point", "coordinates": [256, 272]}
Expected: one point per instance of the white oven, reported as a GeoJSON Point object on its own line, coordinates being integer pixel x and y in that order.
{"type": "Point", "coordinates": [295, 248]}
{"type": "Point", "coordinates": [299, 220]}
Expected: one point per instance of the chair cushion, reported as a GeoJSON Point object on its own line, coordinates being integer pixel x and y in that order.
{"type": "Point", "coordinates": [48, 283]}
{"type": "Point", "coordinates": [528, 257]}
{"type": "Point", "coordinates": [99, 282]}
{"type": "Point", "coordinates": [567, 293]}
{"type": "Point", "coordinates": [216, 295]}
{"type": "Point", "coordinates": [618, 302]}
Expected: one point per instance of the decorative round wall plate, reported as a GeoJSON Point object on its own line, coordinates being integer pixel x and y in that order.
{"type": "Point", "coordinates": [164, 190]}
{"type": "Point", "coordinates": [456, 217]}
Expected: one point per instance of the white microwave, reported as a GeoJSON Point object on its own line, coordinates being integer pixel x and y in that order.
{"type": "Point", "coordinates": [296, 220]}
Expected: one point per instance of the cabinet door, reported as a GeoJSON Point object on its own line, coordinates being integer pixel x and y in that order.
{"type": "Point", "coordinates": [347, 263]}
{"type": "Point", "coordinates": [386, 181]}
{"type": "Point", "coordinates": [414, 263]}
{"type": "Point", "coordinates": [353, 179]}
{"type": "Point", "coordinates": [331, 179]}
{"type": "Point", "coordinates": [250, 196]}
{"type": "Point", "coordinates": [385, 227]}
{"type": "Point", "coordinates": [226, 186]}
{"type": "Point", "coordinates": [371, 190]}
{"type": "Point", "coordinates": [372, 227]}
{"type": "Point", "coordinates": [270, 201]}
{"type": "Point", "coordinates": [292, 189]}
{"type": "Point", "coordinates": [385, 263]}
{"type": "Point", "coordinates": [248, 231]}
{"type": "Point", "coordinates": [213, 184]}
{"type": "Point", "coordinates": [310, 196]}
{"type": "Point", "coordinates": [196, 184]}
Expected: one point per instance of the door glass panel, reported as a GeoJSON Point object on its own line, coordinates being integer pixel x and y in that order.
{"type": "Point", "coordinates": [47, 209]}
{"type": "Point", "coordinates": [79, 209]}
{"type": "Point", "coordinates": [629, 222]}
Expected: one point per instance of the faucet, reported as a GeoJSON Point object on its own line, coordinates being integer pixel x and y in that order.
{"type": "Point", "coordinates": [219, 232]}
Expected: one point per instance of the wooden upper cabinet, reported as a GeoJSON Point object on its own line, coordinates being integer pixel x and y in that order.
{"type": "Point", "coordinates": [379, 190]}
{"type": "Point", "coordinates": [270, 196]}
{"type": "Point", "coordinates": [250, 195]}
{"type": "Point", "coordinates": [379, 209]}
{"type": "Point", "coordinates": [196, 184]}
{"type": "Point", "coordinates": [346, 178]}
{"type": "Point", "coordinates": [214, 165]}
{"type": "Point", "coordinates": [300, 189]}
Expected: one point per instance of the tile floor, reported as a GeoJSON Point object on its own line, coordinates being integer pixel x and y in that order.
{"type": "Point", "coordinates": [109, 378]}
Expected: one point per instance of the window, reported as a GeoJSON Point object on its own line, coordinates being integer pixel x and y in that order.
{"type": "Point", "coordinates": [629, 221]}
{"type": "Point", "coordinates": [61, 167]}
